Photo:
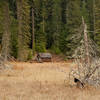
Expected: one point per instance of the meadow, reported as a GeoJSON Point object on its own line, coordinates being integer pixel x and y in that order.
{"type": "Point", "coordinates": [42, 81]}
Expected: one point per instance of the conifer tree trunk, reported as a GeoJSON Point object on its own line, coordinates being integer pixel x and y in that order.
{"type": "Point", "coordinates": [5, 52]}
{"type": "Point", "coordinates": [33, 41]}
{"type": "Point", "coordinates": [19, 17]}
{"type": "Point", "coordinates": [94, 16]}
{"type": "Point", "coordinates": [23, 16]}
{"type": "Point", "coordinates": [43, 24]}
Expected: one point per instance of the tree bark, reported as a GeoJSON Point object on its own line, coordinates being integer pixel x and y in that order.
{"type": "Point", "coordinates": [94, 16]}
{"type": "Point", "coordinates": [5, 51]}
{"type": "Point", "coordinates": [33, 37]}
{"type": "Point", "coordinates": [20, 37]}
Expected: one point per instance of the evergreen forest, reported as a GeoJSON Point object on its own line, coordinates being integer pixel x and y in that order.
{"type": "Point", "coordinates": [28, 27]}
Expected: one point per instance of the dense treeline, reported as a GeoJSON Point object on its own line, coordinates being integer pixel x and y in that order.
{"type": "Point", "coordinates": [30, 26]}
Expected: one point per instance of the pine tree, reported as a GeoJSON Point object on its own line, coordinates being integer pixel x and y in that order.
{"type": "Point", "coordinates": [23, 16]}
{"type": "Point", "coordinates": [56, 24]}
{"type": "Point", "coordinates": [97, 22]}
{"type": "Point", "coordinates": [48, 23]}
{"type": "Point", "coordinates": [73, 23]}
{"type": "Point", "coordinates": [87, 13]}
{"type": "Point", "coordinates": [5, 52]}
{"type": "Point", "coordinates": [40, 34]}
{"type": "Point", "coordinates": [33, 31]}
{"type": "Point", "coordinates": [1, 20]}
{"type": "Point", "coordinates": [13, 28]}
{"type": "Point", "coordinates": [64, 33]}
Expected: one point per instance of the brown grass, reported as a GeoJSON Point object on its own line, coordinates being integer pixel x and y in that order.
{"type": "Point", "coordinates": [41, 81]}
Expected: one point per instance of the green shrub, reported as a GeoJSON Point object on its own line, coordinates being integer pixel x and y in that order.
{"type": "Point", "coordinates": [30, 55]}
{"type": "Point", "coordinates": [55, 50]}
{"type": "Point", "coordinates": [40, 47]}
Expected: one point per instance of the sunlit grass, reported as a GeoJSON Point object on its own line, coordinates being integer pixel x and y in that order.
{"type": "Point", "coordinates": [41, 81]}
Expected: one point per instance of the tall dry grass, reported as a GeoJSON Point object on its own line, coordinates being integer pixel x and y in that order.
{"type": "Point", "coordinates": [41, 81]}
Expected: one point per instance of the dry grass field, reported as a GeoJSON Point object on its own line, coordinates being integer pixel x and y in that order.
{"type": "Point", "coordinates": [41, 81]}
